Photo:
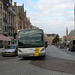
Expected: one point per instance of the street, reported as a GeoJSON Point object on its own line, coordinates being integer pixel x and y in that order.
{"type": "Point", "coordinates": [57, 62]}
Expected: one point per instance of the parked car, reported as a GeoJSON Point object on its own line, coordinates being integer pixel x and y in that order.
{"type": "Point", "coordinates": [10, 50]}
{"type": "Point", "coordinates": [72, 45]}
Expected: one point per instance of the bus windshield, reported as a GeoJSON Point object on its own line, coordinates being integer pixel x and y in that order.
{"type": "Point", "coordinates": [30, 40]}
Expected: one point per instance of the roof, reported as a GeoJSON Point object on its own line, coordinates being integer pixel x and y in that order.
{"type": "Point", "coordinates": [51, 35]}
{"type": "Point", "coordinates": [64, 36]}
{"type": "Point", "coordinates": [4, 38]}
{"type": "Point", "coordinates": [20, 8]}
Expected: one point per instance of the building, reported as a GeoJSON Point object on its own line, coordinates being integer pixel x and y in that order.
{"type": "Point", "coordinates": [60, 39]}
{"type": "Point", "coordinates": [71, 35]}
{"type": "Point", "coordinates": [49, 37]}
{"type": "Point", "coordinates": [7, 15]}
{"type": "Point", "coordinates": [7, 19]}
{"type": "Point", "coordinates": [21, 19]}
{"type": "Point", "coordinates": [3, 15]}
{"type": "Point", "coordinates": [35, 27]}
{"type": "Point", "coordinates": [63, 38]}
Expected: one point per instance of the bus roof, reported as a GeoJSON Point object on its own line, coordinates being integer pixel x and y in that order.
{"type": "Point", "coordinates": [29, 30]}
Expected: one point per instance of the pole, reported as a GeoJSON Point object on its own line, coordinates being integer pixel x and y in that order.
{"type": "Point", "coordinates": [74, 16]}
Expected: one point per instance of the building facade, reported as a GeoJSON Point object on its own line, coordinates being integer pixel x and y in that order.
{"type": "Point", "coordinates": [7, 15]}
{"type": "Point", "coordinates": [64, 38]}
{"type": "Point", "coordinates": [49, 37]}
{"type": "Point", "coordinates": [71, 35]}
{"type": "Point", "coordinates": [21, 19]}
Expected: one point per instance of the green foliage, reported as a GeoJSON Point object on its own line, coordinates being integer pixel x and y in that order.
{"type": "Point", "coordinates": [56, 39]}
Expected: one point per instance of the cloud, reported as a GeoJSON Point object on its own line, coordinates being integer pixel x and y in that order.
{"type": "Point", "coordinates": [51, 15]}
{"type": "Point", "coordinates": [72, 1]}
{"type": "Point", "coordinates": [57, 10]}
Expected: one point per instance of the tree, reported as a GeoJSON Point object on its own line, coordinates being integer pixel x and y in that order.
{"type": "Point", "coordinates": [56, 39]}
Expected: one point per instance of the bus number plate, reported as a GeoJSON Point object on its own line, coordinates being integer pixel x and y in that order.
{"type": "Point", "coordinates": [31, 55]}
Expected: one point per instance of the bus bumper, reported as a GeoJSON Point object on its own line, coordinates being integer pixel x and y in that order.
{"type": "Point", "coordinates": [31, 55]}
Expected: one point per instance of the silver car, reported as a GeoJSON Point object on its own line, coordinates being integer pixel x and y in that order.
{"type": "Point", "coordinates": [11, 50]}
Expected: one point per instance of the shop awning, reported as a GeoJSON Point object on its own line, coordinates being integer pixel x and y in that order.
{"type": "Point", "coordinates": [4, 38]}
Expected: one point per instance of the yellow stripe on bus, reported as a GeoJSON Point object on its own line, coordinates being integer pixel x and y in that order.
{"type": "Point", "coordinates": [36, 52]}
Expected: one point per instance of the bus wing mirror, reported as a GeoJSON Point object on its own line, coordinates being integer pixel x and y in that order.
{"type": "Point", "coordinates": [46, 44]}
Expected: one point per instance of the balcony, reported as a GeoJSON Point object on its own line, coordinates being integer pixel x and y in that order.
{"type": "Point", "coordinates": [10, 25]}
{"type": "Point", "coordinates": [5, 33]}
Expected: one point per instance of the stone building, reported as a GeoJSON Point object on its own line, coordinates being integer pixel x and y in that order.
{"type": "Point", "coordinates": [71, 35]}
{"type": "Point", "coordinates": [7, 15]}
{"type": "Point", "coordinates": [49, 37]}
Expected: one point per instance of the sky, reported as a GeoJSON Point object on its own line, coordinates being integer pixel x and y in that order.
{"type": "Point", "coordinates": [50, 15]}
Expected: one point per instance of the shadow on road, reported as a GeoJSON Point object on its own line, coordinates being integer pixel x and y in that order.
{"type": "Point", "coordinates": [32, 58]}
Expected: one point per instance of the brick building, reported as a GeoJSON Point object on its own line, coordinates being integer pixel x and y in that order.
{"type": "Point", "coordinates": [21, 19]}
{"type": "Point", "coordinates": [64, 38]}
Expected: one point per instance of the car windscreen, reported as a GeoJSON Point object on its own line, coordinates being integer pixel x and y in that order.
{"type": "Point", "coordinates": [11, 47]}
{"type": "Point", "coordinates": [30, 40]}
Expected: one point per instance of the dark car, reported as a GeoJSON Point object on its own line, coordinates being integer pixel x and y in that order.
{"type": "Point", "coordinates": [11, 50]}
{"type": "Point", "coordinates": [72, 45]}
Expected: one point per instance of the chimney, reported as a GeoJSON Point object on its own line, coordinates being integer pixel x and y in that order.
{"type": "Point", "coordinates": [23, 5]}
{"type": "Point", "coordinates": [15, 4]}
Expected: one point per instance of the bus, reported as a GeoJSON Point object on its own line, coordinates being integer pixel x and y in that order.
{"type": "Point", "coordinates": [31, 43]}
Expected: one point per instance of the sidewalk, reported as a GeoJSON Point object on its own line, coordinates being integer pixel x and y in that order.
{"type": "Point", "coordinates": [1, 49]}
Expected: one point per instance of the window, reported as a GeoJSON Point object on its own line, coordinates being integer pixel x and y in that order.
{"type": "Point", "coordinates": [0, 8]}
{"type": "Point", "coordinates": [4, 28]}
{"type": "Point", "coordinates": [0, 5]}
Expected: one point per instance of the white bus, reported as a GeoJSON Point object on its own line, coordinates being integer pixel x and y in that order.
{"type": "Point", "coordinates": [31, 43]}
